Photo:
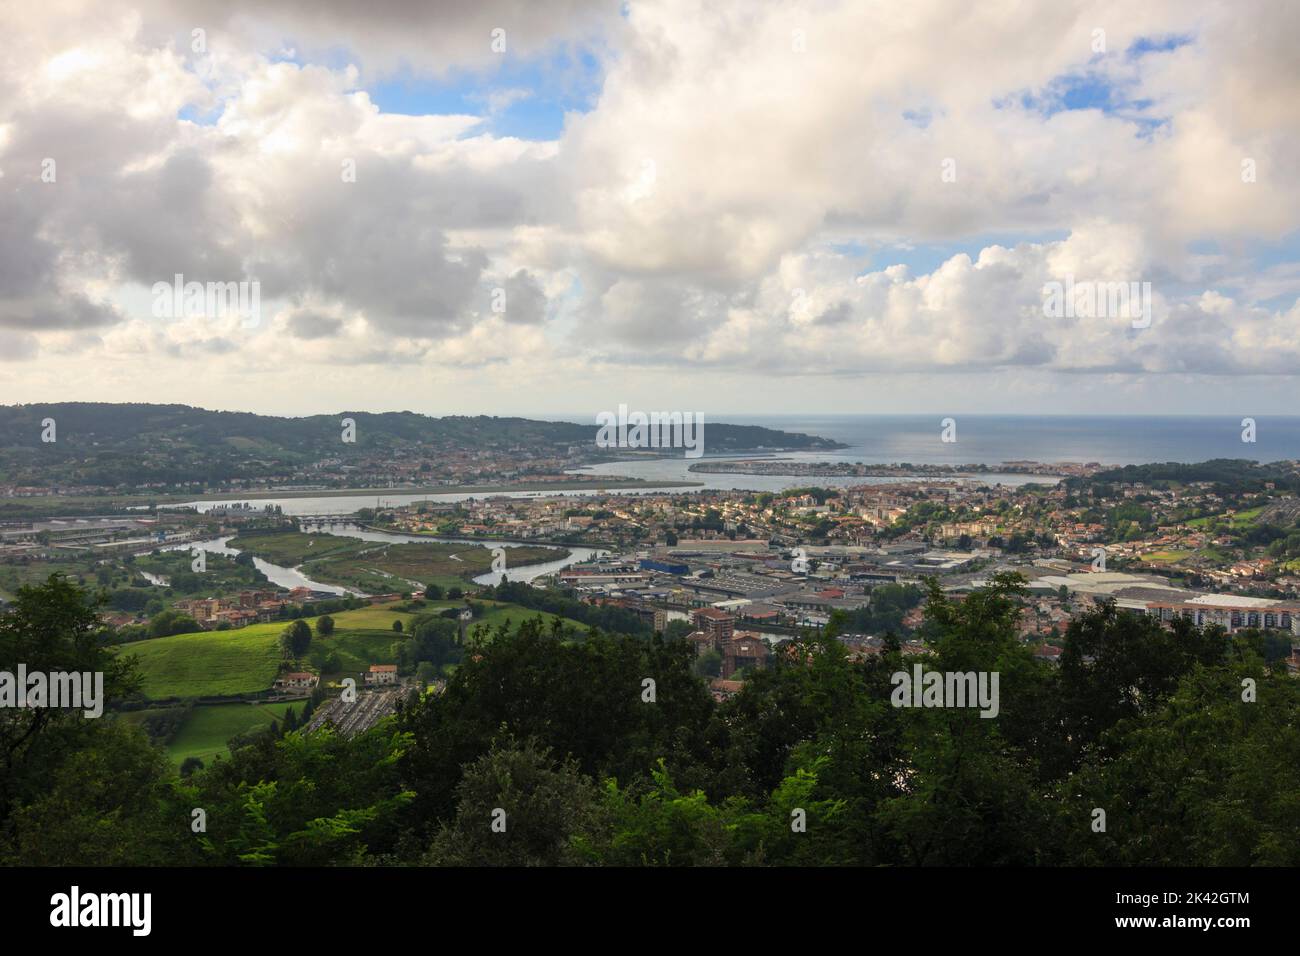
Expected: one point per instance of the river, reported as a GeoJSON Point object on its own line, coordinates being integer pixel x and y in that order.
{"type": "Point", "coordinates": [650, 469]}
{"type": "Point", "coordinates": [294, 578]}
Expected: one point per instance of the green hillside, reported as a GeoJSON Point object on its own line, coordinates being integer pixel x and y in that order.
{"type": "Point", "coordinates": [241, 661]}
{"type": "Point", "coordinates": [208, 727]}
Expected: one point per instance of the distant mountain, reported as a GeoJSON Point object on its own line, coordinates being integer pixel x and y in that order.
{"type": "Point", "coordinates": [130, 445]}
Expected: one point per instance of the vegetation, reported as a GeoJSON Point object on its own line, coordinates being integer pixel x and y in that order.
{"type": "Point", "coordinates": [1187, 738]}
{"type": "Point", "coordinates": [208, 727]}
{"type": "Point", "coordinates": [125, 588]}
{"type": "Point", "coordinates": [564, 604]}
{"type": "Point", "coordinates": [1234, 473]}
{"type": "Point", "coordinates": [379, 568]}
{"type": "Point", "coordinates": [229, 663]}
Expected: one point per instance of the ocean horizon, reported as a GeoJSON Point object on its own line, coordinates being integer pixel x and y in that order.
{"type": "Point", "coordinates": [995, 439]}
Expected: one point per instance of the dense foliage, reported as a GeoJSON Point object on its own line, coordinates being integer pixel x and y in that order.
{"type": "Point", "coordinates": [550, 749]}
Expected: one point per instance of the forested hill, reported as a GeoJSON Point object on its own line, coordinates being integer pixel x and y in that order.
{"type": "Point", "coordinates": [1233, 473]}
{"type": "Point", "coordinates": [104, 443]}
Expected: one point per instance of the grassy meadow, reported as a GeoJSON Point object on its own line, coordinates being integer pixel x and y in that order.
{"type": "Point", "coordinates": [244, 660]}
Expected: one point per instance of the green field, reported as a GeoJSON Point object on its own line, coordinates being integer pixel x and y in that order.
{"type": "Point", "coordinates": [241, 661]}
{"type": "Point", "coordinates": [1167, 557]}
{"type": "Point", "coordinates": [356, 649]}
{"type": "Point", "coordinates": [206, 730]}
{"type": "Point", "coordinates": [497, 614]}
{"type": "Point", "coordinates": [391, 566]}
{"type": "Point", "coordinates": [246, 660]}
{"type": "Point", "coordinates": [292, 548]}
{"type": "Point", "coordinates": [1241, 519]}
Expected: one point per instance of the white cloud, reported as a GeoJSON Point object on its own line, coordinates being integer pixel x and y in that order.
{"type": "Point", "coordinates": [689, 221]}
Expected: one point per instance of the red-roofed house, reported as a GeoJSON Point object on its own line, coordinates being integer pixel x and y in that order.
{"type": "Point", "coordinates": [382, 674]}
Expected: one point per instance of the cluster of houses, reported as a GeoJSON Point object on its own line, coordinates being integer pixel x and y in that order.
{"type": "Point", "coordinates": [304, 682]}
{"type": "Point", "coordinates": [246, 607]}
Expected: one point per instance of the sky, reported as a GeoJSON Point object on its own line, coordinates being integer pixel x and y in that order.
{"type": "Point", "coordinates": [511, 207]}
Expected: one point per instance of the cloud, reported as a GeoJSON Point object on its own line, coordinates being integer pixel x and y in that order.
{"type": "Point", "coordinates": [695, 218]}
{"type": "Point", "coordinates": [398, 34]}
{"type": "Point", "coordinates": [524, 302]}
{"type": "Point", "coordinates": [306, 325]}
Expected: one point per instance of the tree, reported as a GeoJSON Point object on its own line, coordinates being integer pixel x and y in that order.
{"type": "Point", "coordinates": [541, 808]}
{"type": "Point", "coordinates": [708, 664]}
{"type": "Point", "coordinates": [109, 802]}
{"type": "Point", "coordinates": [273, 803]}
{"type": "Point", "coordinates": [434, 639]}
{"type": "Point", "coordinates": [325, 626]}
{"type": "Point", "coordinates": [52, 628]}
{"type": "Point", "coordinates": [172, 622]}
{"type": "Point", "coordinates": [296, 638]}
{"type": "Point", "coordinates": [582, 699]}
{"type": "Point", "coordinates": [397, 625]}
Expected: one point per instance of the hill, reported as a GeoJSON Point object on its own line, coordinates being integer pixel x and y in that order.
{"type": "Point", "coordinates": [247, 660]}
{"type": "Point", "coordinates": [131, 445]}
{"type": "Point", "coordinates": [228, 663]}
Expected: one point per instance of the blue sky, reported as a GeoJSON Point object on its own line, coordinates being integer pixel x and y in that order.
{"type": "Point", "coordinates": [547, 89]}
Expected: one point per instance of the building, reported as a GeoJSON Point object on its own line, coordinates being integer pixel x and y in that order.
{"type": "Point", "coordinates": [664, 566]}
{"type": "Point", "coordinates": [719, 625]}
{"type": "Point", "coordinates": [1231, 611]}
{"type": "Point", "coordinates": [745, 649]}
{"type": "Point", "coordinates": [703, 643]}
{"type": "Point", "coordinates": [655, 617]}
{"type": "Point", "coordinates": [722, 689]}
{"type": "Point", "coordinates": [296, 680]}
{"type": "Point", "coordinates": [382, 674]}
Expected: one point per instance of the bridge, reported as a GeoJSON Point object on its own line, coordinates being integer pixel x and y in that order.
{"type": "Point", "coordinates": [321, 520]}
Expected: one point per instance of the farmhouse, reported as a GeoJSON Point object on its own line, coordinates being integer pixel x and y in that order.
{"type": "Point", "coordinates": [296, 680]}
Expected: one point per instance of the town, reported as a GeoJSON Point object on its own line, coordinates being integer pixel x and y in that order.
{"type": "Point", "coordinates": [734, 573]}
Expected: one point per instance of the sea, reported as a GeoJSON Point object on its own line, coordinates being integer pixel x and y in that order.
{"type": "Point", "coordinates": [994, 439]}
